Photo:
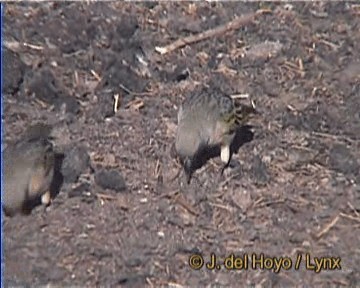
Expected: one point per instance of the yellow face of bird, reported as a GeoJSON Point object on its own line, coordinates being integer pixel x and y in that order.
{"type": "Point", "coordinates": [224, 130]}
{"type": "Point", "coordinates": [244, 113]}
{"type": "Point", "coordinates": [230, 120]}
{"type": "Point", "coordinates": [233, 113]}
{"type": "Point", "coordinates": [227, 115]}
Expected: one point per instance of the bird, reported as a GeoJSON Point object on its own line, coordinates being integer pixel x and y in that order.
{"type": "Point", "coordinates": [28, 170]}
{"type": "Point", "coordinates": [207, 118]}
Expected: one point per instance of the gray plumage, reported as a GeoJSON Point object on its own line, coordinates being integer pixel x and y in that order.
{"type": "Point", "coordinates": [207, 118]}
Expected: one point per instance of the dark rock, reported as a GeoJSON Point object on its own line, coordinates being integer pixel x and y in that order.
{"type": "Point", "coordinates": [125, 32]}
{"type": "Point", "coordinates": [315, 117]}
{"type": "Point", "coordinates": [127, 27]}
{"type": "Point", "coordinates": [303, 121]}
{"type": "Point", "coordinates": [177, 74]}
{"type": "Point", "coordinates": [44, 276]}
{"type": "Point", "coordinates": [184, 25]}
{"type": "Point", "coordinates": [110, 179]}
{"type": "Point", "coordinates": [76, 161]}
{"type": "Point", "coordinates": [119, 75]}
{"type": "Point", "coordinates": [180, 73]}
{"type": "Point", "coordinates": [39, 130]}
{"type": "Point", "coordinates": [342, 160]}
{"type": "Point", "coordinates": [70, 31]}
{"type": "Point", "coordinates": [13, 72]}
{"type": "Point", "coordinates": [150, 4]}
{"type": "Point", "coordinates": [133, 280]}
{"type": "Point", "coordinates": [351, 119]}
{"type": "Point", "coordinates": [188, 250]}
{"type": "Point", "coordinates": [105, 107]}
{"type": "Point", "coordinates": [298, 237]}
{"type": "Point", "coordinates": [100, 254]}
{"type": "Point", "coordinates": [44, 85]}
{"type": "Point", "coordinates": [134, 262]}
{"type": "Point", "coordinates": [259, 170]}
{"type": "Point", "coordinates": [56, 274]}
{"type": "Point", "coordinates": [213, 61]}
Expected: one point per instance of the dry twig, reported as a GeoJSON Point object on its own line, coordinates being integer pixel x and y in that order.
{"type": "Point", "coordinates": [350, 217]}
{"type": "Point", "coordinates": [220, 30]}
{"type": "Point", "coordinates": [328, 227]}
{"type": "Point", "coordinates": [227, 208]}
{"type": "Point", "coordinates": [261, 203]}
{"type": "Point", "coordinates": [127, 90]}
{"type": "Point", "coordinates": [136, 104]}
{"type": "Point", "coordinates": [240, 96]}
{"type": "Point", "coordinates": [106, 197]}
{"type": "Point", "coordinates": [333, 137]}
{"type": "Point", "coordinates": [116, 102]}
{"type": "Point", "coordinates": [32, 46]}
{"type": "Point", "coordinates": [96, 75]}
{"type": "Point", "coordinates": [353, 208]}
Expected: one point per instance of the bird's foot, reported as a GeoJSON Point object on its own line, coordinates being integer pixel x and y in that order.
{"type": "Point", "coordinates": [46, 199]}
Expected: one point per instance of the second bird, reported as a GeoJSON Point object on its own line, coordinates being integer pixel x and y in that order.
{"type": "Point", "coordinates": [29, 170]}
{"type": "Point", "coordinates": [207, 118]}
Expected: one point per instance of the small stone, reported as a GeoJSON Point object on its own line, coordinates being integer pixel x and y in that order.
{"type": "Point", "coordinates": [259, 170]}
{"type": "Point", "coordinates": [143, 200]}
{"type": "Point", "coordinates": [306, 243]}
{"type": "Point", "coordinates": [110, 179]}
{"type": "Point", "coordinates": [56, 274]}
{"type": "Point", "coordinates": [342, 160]}
{"type": "Point", "coordinates": [76, 161]}
{"type": "Point", "coordinates": [127, 27]}
{"type": "Point", "coordinates": [46, 87]}
{"type": "Point", "coordinates": [14, 70]}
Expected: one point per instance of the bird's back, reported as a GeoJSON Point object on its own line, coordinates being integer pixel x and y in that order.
{"type": "Point", "coordinates": [206, 119]}
{"type": "Point", "coordinates": [208, 104]}
{"type": "Point", "coordinates": [200, 114]}
{"type": "Point", "coordinates": [194, 124]}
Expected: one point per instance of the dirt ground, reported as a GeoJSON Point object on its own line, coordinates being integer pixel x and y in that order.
{"type": "Point", "coordinates": [119, 217]}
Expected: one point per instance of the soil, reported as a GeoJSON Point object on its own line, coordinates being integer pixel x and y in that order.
{"type": "Point", "coordinates": [120, 216]}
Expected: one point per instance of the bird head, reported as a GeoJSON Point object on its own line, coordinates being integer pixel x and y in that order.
{"type": "Point", "coordinates": [44, 155]}
{"type": "Point", "coordinates": [245, 112]}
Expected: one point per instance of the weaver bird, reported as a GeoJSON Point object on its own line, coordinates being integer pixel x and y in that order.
{"type": "Point", "coordinates": [29, 170]}
{"type": "Point", "coordinates": [206, 119]}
